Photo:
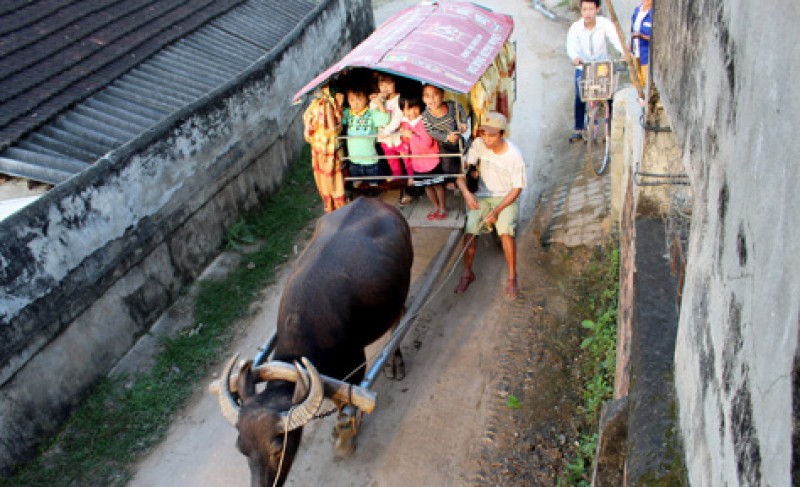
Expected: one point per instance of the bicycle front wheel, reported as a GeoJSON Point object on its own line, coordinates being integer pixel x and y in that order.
{"type": "Point", "coordinates": [598, 129]}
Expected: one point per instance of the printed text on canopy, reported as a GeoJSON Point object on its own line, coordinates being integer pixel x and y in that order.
{"type": "Point", "coordinates": [447, 44]}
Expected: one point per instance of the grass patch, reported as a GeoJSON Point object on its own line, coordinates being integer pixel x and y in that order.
{"type": "Point", "coordinates": [121, 419]}
{"type": "Point", "coordinates": [597, 292]}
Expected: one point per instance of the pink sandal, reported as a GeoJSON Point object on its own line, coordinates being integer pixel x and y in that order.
{"type": "Point", "coordinates": [433, 215]}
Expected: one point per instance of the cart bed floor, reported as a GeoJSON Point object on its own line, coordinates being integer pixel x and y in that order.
{"type": "Point", "coordinates": [416, 212]}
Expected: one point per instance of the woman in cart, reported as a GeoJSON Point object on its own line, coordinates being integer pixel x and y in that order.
{"type": "Point", "coordinates": [444, 121]}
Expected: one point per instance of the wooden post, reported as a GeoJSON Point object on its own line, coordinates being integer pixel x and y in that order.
{"type": "Point", "coordinates": [633, 65]}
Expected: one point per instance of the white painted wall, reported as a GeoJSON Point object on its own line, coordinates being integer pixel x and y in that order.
{"type": "Point", "coordinates": [88, 267]}
{"type": "Point", "coordinates": [726, 71]}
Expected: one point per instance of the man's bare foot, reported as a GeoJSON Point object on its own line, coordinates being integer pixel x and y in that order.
{"type": "Point", "coordinates": [512, 290]}
{"type": "Point", "coordinates": [464, 283]}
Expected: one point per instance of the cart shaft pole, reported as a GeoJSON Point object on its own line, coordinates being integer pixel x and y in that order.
{"type": "Point", "coordinates": [434, 272]}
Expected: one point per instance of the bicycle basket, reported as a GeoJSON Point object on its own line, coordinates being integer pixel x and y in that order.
{"type": "Point", "coordinates": [597, 81]}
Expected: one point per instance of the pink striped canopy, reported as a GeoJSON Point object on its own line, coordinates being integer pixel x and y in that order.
{"type": "Point", "coordinates": [447, 44]}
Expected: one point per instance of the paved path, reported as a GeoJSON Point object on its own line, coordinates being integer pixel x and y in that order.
{"type": "Point", "coordinates": [575, 210]}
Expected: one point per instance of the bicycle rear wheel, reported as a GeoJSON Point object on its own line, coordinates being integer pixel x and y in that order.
{"type": "Point", "coordinates": [597, 135]}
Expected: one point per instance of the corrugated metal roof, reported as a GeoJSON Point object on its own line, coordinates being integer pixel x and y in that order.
{"type": "Point", "coordinates": [172, 78]}
{"type": "Point", "coordinates": [54, 53]}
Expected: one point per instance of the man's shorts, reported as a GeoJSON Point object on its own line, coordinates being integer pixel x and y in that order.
{"type": "Point", "coordinates": [506, 220]}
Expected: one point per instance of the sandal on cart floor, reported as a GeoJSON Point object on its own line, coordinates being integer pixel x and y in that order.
{"type": "Point", "coordinates": [433, 215]}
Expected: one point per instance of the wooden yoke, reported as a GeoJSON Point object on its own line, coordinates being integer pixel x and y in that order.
{"type": "Point", "coordinates": [338, 391]}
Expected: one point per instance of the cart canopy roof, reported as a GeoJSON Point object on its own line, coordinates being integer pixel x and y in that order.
{"type": "Point", "coordinates": [447, 44]}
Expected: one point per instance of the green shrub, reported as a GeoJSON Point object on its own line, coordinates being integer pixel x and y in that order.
{"type": "Point", "coordinates": [597, 290]}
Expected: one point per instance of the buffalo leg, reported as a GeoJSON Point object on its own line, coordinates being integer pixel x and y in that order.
{"type": "Point", "coordinates": [399, 365]}
{"type": "Point", "coordinates": [395, 367]}
{"type": "Point", "coordinates": [345, 431]}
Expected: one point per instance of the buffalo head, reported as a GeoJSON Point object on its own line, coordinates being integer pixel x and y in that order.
{"type": "Point", "coordinates": [270, 422]}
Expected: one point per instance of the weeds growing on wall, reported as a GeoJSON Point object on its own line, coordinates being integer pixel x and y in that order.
{"type": "Point", "coordinates": [122, 418]}
{"type": "Point", "coordinates": [597, 292]}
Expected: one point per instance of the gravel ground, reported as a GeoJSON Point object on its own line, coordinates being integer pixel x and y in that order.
{"type": "Point", "coordinates": [537, 354]}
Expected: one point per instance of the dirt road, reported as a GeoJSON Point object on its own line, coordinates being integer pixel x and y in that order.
{"type": "Point", "coordinates": [428, 429]}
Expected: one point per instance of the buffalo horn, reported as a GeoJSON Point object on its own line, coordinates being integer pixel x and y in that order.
{"type": "Point", "coordinates": [227, 403]}
{"type": "Point", "coordinates": [302, 413]}
{"type": "Point", "coordinates": [302, 385]}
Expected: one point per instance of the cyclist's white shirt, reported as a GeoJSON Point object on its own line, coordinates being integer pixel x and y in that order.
{"type": "Point", "coordinates": [591, 45]}
{"type": "Point", "coordinates": [499, 173]}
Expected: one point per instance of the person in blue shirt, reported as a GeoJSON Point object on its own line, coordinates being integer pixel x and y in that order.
{"type": "Point", "coordinates": [641, 30]}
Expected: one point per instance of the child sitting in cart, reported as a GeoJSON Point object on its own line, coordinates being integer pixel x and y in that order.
{"type": "Point", "coordinates": [362, 123]}
{"type": "Point", "coordinates": [445, 121]}
{"type": "Point", "coordinates": [425, 149]}
{"type": "Point", "coordinates": [389, 135]}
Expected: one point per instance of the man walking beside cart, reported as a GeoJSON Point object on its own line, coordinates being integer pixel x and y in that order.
{"type": "Point", "coordinates": [495, 203]}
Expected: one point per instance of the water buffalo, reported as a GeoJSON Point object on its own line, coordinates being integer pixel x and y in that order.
{"type": "Point", "coordinates": [347, 289]}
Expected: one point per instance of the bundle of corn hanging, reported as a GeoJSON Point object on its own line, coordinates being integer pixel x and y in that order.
{"type": "Point", "coordinates": [494, 91]}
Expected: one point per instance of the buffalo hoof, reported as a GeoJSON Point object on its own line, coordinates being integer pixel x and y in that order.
{"type": "Point", "coordinates": [344, 447]}
{"type": "Point", "coordinates": [388, 370]}
{"type": "Point", "coordinates": [399, 366]}
{"type": "Point", "coordinates": [344, 436]}
{"type": "Point", "coordinates": [395, 368]}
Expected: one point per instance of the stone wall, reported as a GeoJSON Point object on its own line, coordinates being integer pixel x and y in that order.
{"type": "Point", "coordinates": [725, 73]}
{"type": "Point", "coordinates": [88, 268]}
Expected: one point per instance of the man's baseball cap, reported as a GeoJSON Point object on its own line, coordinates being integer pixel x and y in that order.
{"type": "Point", "coordinates": [494, 120]}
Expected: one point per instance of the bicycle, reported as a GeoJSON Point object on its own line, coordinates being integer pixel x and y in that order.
{"type": "Point", "coordinates": [597, 88]}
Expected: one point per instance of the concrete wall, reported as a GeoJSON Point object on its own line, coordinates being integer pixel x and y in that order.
{"type": "Point", "coordinates": [647, 180]}
{"type": "Point", "coordinates": [88, 268]}
{"type": "Point", "coordinates": [626, 151]}
{"type": "Point", "coordinates": [726, 74]}
{"type": "Point", "coordinates": [645, 201]}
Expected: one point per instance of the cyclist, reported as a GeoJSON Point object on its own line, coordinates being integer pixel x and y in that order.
{"type": "Point", "coordinates": [587, 41]}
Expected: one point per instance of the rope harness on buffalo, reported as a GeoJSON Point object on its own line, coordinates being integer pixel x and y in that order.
{"type": "Point", "coordinates": [349, 391]}
{"type": "Point", "coordinates": [283, 448]}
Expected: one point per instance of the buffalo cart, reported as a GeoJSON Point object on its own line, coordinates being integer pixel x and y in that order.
{"type": "Point", "coordinates": [464, 49]}
{"type": "Point", "coordinates": [460, 47]}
